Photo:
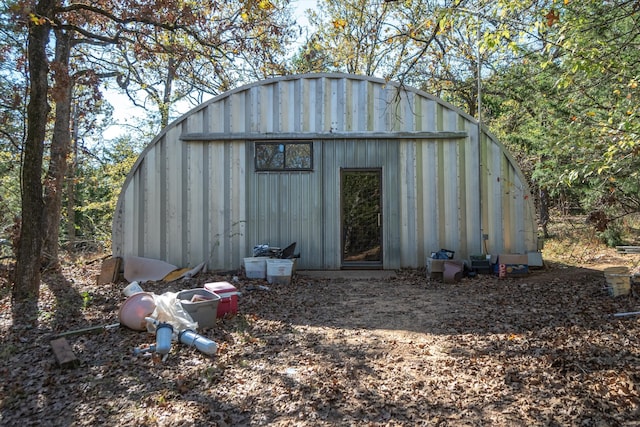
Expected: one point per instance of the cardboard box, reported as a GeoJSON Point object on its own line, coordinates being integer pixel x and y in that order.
{"type": "Point", "coordinates": [110, 271]}
{"type": "Point", "coordinates": [228, 303]}
{"type": "Point", "coordinates": [512, 265]}
{"type": "Point", "coordinates": [436, 267]}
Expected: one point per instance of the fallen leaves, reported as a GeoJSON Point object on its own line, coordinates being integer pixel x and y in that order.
{"type": "Point", "coordinates": [539, 350]}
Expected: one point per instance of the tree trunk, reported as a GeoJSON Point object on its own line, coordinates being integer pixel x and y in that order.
{"type": "Point", "coordinates": [71, 183]}
{"type": "Point", "coordinates": [60, 146]}
{"type": "Point", "coordinates": [544, 212]}
{"type": "Point", "coordinates": [26, 286]}
{"type": "Point", "coordinates": [168, 90]}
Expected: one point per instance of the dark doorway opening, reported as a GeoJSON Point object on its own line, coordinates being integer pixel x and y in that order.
{"type": "Point", "coordinates": [361, 218]}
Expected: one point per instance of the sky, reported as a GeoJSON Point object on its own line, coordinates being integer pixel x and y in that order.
{"type": "Point", "coordinates": [124, 111]}
{"type": "Point", "coordinates": [301, 6]}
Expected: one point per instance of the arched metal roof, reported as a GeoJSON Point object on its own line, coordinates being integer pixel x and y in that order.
{"type": "Point", "coordinates": [193, 194]}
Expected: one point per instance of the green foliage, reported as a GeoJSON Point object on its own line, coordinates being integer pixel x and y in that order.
{"type": "Point", "coordinates": [339, 43]}
{"type": "Point", "coordinates": [572, 103]}
{"type": "Point", "coordinates": [9, 191]}
{"type": "Point", "coordinates": [13, 86]}
{"type": "Point", "coordinates": [87, 298]}
{"type": "Point", "coordinates": [612, 236]}
{"type": "Point", "coordinates": [98, 186]}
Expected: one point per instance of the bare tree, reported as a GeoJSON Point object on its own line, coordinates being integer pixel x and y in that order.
{"type": "Point", "coordinates": [100, 25]}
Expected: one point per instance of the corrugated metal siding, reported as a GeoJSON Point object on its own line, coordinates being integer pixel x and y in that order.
{"type": "Point", "coordinates": [364, 154]}
{"type": "Point", "coordinates": [188, 201]}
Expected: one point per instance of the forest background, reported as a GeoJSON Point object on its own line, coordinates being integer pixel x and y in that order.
{"type": "Point", "coordinates": [555, 80]}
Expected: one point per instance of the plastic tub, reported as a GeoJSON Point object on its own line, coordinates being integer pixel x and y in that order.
{"type": "Point", "coordinates": [255, 267]}
{"type": "Point", "coordinates": [201, 304]}
{"type": "Point", "coordinates": [279, 271]}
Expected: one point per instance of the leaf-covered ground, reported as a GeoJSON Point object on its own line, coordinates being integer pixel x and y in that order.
{"type": "Point", "coordinates": [401, 351]}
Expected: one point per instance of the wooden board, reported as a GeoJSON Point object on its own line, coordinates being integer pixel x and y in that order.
{"type": "Point", "coordinates": [63, 353]}
{"type": "Point", "coordinates": [628, 249]}
{"type": "Point", "coordinates": [110, 270]}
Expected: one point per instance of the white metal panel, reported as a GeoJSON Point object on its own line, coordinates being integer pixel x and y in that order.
{"type": "Point", "coordinates": [494, 184]}
{"type": "Point", "coordinates": [130, 217]}
{"type": "Point", "coordinates": [430, 196]}
{"type": "Point", "coordinates": [408, 119]}
{"type": "Point", "coordinates": [174, 188]}
{"type": "Point", "coordinates": [307, 104]}
{"type": "Point", "coordinates": [337, 112]}
{"type": "Point", "coordinates": [152, 204]}
{"type": "Point", "coordinates": [361, 100]}
{"type": "Point", "coordinates": [472, 195]}
{"type": "Point", "coordinates": [236, 109]}
{"type": "Point", "coordinates": [268, 117]}
{"type": "Point", "coordinates": [195, 212]}
{"type": "Point", "coordinates": [236, 243]}
{"type": "Point", "coordinates": [217, 203]}
{"type": "Point", "coordinates": [379, 107]}
{"type": "Point", "coordinates": [428, 121]}
{"type": "Point", "coordinates": [331, 206]}
{"type": "Point", "coordinates": [216, 114]}
{"type": "Point", "coordinates": [450, 197]}
{"type": "Point", "coordinates": [408, 205]}
{"type": "Point", "coordinates": [194, 122]}
{"type": "Point", "coordinates": [194, 197]}
{"type": "Point", "coordinates": [288, 107]}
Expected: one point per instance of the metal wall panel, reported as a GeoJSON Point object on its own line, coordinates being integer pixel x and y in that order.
{"type": "Point", "coordinates": [198, 198]}
{"type": "Point", "coordinates": [364, 154]}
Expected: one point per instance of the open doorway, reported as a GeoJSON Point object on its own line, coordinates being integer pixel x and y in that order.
{"type": "Point", "coordinates": [361, 218]}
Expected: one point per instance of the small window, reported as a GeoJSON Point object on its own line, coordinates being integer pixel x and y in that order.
{"type": "Point", "coordinates": [284, 156]}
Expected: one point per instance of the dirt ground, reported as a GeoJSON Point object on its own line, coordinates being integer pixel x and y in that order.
{"type": "Point", "coordinates": [395, 350]}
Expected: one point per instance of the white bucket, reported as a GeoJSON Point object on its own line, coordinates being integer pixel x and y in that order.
{"type": "Point", "coordinates": [279, 271]}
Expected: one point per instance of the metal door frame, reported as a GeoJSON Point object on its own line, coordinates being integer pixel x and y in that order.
{"type": "Point", "coordinates": [362, 265]}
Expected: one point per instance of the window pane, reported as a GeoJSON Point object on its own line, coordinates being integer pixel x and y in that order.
{"type": "Point", "coordinates": [269, 156]}
{"type": "Point", "coordinates": [298, 156]}
{"type": "Point", "coordinates": [283, 156]}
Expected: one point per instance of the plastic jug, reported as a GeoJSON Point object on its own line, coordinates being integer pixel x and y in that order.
{"type": "Point", "coordinates": [196, 340]}
{"type": "Point", "coordinates": [164, 333]}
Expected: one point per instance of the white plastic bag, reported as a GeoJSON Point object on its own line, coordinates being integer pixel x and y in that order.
{"type": "Point", "coordinates": [169, 310]}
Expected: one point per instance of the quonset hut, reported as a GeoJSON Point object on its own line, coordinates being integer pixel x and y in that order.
{"type": "Point", "coordinates": [360, 172]}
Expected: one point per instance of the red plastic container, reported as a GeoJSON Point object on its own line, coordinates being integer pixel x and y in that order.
{"type": "Point", "coordinates": [228, 304]}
